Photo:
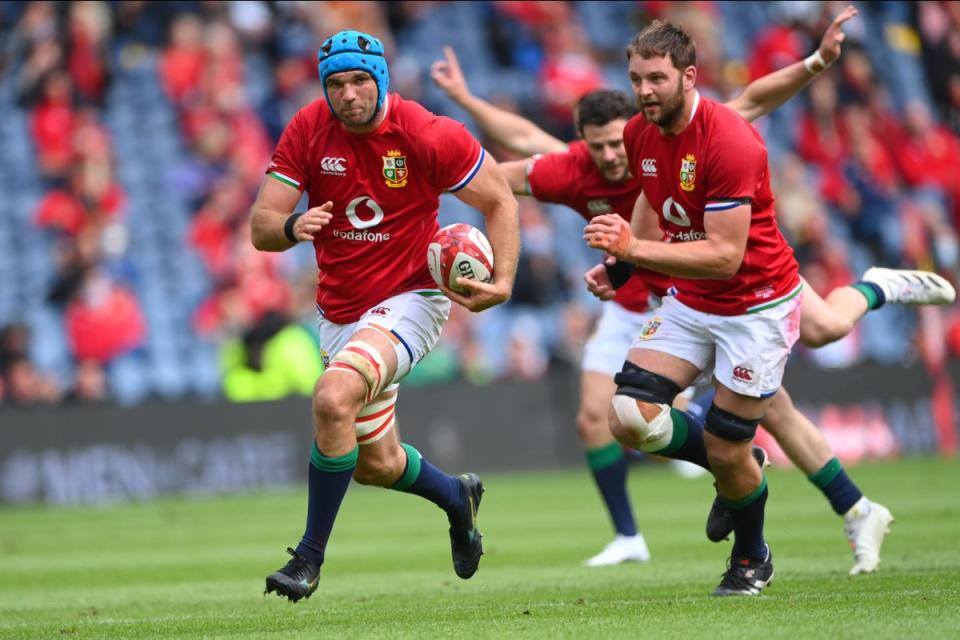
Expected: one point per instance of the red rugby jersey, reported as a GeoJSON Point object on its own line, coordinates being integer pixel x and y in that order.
{"type": "Point", "coordinates": [717, 163]}
{"type": "Point", "coordinates": [385, 187]}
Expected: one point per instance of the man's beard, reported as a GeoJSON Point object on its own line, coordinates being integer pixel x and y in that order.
{"type": "Point", "coordinates": [671, 110]}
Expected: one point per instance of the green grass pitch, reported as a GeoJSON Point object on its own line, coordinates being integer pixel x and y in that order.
{"type": "Point", "coordinates": [195, 568]}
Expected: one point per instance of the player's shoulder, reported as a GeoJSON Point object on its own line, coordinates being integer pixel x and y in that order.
{"type": "Point", "coordinates": [725, 126]}
{"type": "Point", "coordinates": [410, 113]}
{"type": "Point", "coordinates": [722, 118]}
{"type": "Point", "coordinates": [424, 126]}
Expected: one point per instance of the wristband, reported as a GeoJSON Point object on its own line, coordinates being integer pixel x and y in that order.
{"type": "Point", "coordinates": [288, 227]}
{"type": "Point", "coordinates": [815, 63]}
{"type": "Point", "coordinates": [619, 273]}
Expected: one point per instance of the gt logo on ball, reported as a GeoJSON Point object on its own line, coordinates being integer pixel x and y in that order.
{"type": "Point", "coordinates": [459, 251]}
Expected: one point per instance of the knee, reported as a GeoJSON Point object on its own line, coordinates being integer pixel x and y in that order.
{"type": "Point", "coordinates": [724, 457]}
{"type": "Point", "coordinates": [591, 423]}
{"type": "Point", "coordinates": [333, 404]}
{"type": "Point", "coordinates": [642, 425]}
{"type": "Point", "coordinates": [378, 472]}
{"type": "Point", "coordinates": [729, 448]}
{"type": "Point", "coordinates": [640, 412]}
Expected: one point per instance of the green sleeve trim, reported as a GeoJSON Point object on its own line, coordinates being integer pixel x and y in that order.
{"type": "Point", "coordinates": [287, 180]}
{"type": "Point", "coordinates": [412, 472]}
{"type": "Point", "coordinates": [826, 474]}
{"type": "Point", "coordinates": [605, 456]}
{"type": "Point", "coordinates": [333, 465]}
{"type": "Point", "coordinates": [680, 431]}
{"type": "Point", "coordinates": [743, 503]}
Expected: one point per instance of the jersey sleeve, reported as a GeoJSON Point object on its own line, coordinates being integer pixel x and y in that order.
{"type": "Point", "coordinates": [551, 177]}
{"type": "Point", "coordinates": [289, 158]}
{"type": "Point", "coordinates": [734, 166]}
{"type": "Point", "coordinates": [453, 156]}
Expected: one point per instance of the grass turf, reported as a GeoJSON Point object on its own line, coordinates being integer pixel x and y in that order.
{"type": "Point", "coordinates": [195, 568]}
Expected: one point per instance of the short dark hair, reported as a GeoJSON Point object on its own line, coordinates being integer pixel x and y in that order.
{"type": "Point", "coordinates": [603, 106]}
{"type": "Point", "coordinates": [661, 38]}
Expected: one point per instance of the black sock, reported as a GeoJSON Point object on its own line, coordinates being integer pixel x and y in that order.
{"type": "Point", "coordinates": [609, 468]}
{"type": "Point", "coordinates": [425, 480]}
{"type": "Point", "coordinates": [747, 516]}
{"type": "Point", "coordinates": [837, 486]}
{"type": "Point", "coordinates": [687, 440]}
{"type": "Point", "coordinates": [327, 484]}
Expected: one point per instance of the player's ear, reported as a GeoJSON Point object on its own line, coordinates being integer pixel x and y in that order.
{"type": "Point", "coordinates": [689, 78]}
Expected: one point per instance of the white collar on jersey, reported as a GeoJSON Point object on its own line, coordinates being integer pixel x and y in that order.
{"type": "Point", "coordinates": [696, 103]}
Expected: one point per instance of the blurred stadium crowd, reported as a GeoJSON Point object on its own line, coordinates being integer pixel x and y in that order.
{"type": "Point", "coordinates": [135, 135]}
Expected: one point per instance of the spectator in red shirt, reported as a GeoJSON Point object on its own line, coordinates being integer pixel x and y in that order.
{"type": "Point", "coordinates": [51, 125]}
{"type": "Point", "coordinates": [103, 320]}
{"type": "Point", "coordinates": [182, 64]}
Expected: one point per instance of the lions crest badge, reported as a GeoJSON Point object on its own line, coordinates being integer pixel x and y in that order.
{"type": "Point", "coordinates": [650, 328]}
{"type": "Point", "coordinates": [395, 169]}
{"type": "Point", "coordinates": [688, 172]}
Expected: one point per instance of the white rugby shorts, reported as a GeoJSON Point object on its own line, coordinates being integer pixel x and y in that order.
{"type": "Point", "coordinates": [413, 321]}
{"type": "Point", "coordinates": [748, 353]}
{"type": "Point", "coordinates": [616, 330]}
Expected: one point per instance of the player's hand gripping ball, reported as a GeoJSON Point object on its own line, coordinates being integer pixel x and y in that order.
{"type": "Point", "coordinates": [460, 250]}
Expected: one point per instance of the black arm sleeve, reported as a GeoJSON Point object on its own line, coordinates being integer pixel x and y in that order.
{"type": "Point", "coordinates": [619, 273]}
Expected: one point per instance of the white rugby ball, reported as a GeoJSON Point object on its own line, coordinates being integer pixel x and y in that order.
{"type": "Point", "coordinates": [460, 250]}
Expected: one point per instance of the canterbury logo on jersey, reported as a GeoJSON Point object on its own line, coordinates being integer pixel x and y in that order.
{"type": "Point", "coordinates": [333, 166]}
{"type": "Point", "coordinates": [649, 166]}
{"type": "Point", "coordinates": [599, 206]}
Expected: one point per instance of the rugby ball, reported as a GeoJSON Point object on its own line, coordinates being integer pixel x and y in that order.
{"type": "Point", "coordinates": [460, 250]}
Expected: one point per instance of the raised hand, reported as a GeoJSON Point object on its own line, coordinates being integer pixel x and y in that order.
{"type": "Point", "coordinates": [834, 36]}
{"type": "Point", "coordinates": [447, 75]}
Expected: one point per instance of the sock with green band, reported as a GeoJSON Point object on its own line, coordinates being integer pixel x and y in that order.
{"type": "Point", "coordinates": [747, 514]}
{"type": "Point", "coordinates": [425, 480]}
{"type": "Point", "coordinates": [872, 292]}
{"type": "Point", "coordinates": [327, 483]}
{"type": "Point", "coordinates": [837, 486]}
{"type": "Point", "coordinates": [686, 443]}
{"type": "Point", "coordinates": [609, 468]}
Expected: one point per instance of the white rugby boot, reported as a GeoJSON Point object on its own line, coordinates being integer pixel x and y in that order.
{"type": "Point", "coordinates": [867, 524]}
{"type": "Point", "coordinates": [686, 469]}
{"type": "Point", "coordinates": [911, 287]}
{"type": "Point", "coordinates": [622, 549]}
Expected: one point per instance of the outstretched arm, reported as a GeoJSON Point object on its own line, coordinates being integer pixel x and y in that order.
{"type": "Point", "coordinates": [516, 172]}
{"type": "Point", "coordinates": [765, 94]}
{"type": "Point", "coordinates": [509, 130]}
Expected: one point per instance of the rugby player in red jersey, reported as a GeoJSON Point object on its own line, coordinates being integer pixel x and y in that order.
{"type": "Point", "coordinates": [705, 188]}
{"type": "Point", "coordinates": [591, 176]}
{"type": "Point", "coordinates": [373, 166]}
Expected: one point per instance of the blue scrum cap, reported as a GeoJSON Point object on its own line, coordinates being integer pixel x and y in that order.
{"type": "Point", "coordinates": [350, 51]}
